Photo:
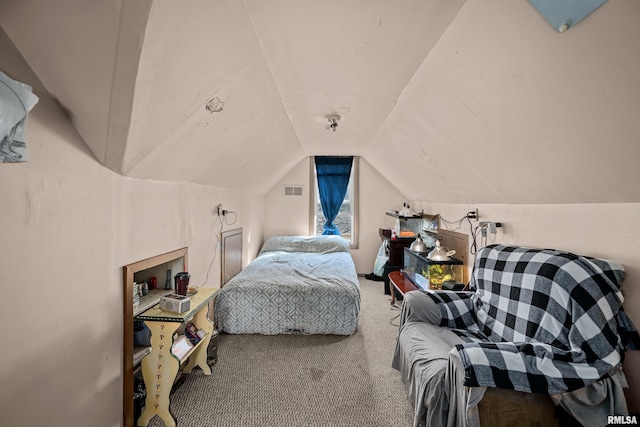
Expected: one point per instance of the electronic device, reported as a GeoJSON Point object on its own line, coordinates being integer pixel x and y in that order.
{"type": "Point", "coordinates": [175, 303]}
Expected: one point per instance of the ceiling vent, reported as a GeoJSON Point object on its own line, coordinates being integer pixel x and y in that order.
{"type": "Point", "coordinates": [293, 190]}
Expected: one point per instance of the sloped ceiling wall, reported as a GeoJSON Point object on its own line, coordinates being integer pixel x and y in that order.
{"type": "Point", "coordinates": [506, 110]}
{"type": "Point", "coordinates": [206, 106]}
{"type": "Point", "coordinates": [455, 102]}
{"type": "Point", "coordinates": [72, 46]}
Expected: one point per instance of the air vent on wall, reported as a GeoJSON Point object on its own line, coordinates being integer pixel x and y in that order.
{"type": "Point", "coordinates": [293, 190]}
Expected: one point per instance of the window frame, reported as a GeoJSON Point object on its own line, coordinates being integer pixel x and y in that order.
{"type": "Point", "coordinates": [354, 188]}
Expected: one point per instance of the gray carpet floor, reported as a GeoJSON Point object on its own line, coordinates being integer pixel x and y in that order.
{"type": "Point", "coordinates": [302, 380]}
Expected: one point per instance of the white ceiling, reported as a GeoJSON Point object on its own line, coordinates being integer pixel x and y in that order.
{"type": "Point", "coordinates": [476, 101]}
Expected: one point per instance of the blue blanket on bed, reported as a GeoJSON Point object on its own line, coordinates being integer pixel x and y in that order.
{"type": "Point", "coordinates": [303, 285]}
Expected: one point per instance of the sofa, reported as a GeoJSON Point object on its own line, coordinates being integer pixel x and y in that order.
{"type": "Point", "coordinates": [539, 330]}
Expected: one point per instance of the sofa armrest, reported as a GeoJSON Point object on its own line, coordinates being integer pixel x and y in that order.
{"type": "Point", "coordinates": [418, 307]}
{"type": "Point", "coordinates": [456, 308]}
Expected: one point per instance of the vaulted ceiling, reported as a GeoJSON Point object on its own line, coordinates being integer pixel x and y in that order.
{"type": "Point", "coordinates": [476, 101]}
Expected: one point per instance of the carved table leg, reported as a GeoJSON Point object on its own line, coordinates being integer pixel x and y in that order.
{"type": "Point", "coordinates": [392, 289]}
{"type": "Point", "coordinates": [159, 370]}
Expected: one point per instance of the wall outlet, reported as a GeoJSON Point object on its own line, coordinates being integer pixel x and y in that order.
{"type": "Point", "coordinates": [473, 215]}
{"type": "Point", "coordinates": [492, 227]}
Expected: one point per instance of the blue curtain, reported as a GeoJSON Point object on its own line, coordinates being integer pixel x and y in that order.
{"type": "Point", "coordinates": [333, 181]}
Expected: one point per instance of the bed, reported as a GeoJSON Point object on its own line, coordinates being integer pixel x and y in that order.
{"type": "Point", "coordinates": [296, 284]}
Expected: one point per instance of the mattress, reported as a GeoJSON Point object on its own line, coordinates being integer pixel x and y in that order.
{"type": "Point", "coordinates": [296, 284]}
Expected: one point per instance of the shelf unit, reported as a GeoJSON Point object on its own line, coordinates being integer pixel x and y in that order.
{"type": "Point", "coordinates": [132, 356]}
{"type": "Point", "coordinates": [161, 366]}
{"type": "Point", "coordinates": [424, 224]}
{"type": "Point", "coordinates": [151, 299]}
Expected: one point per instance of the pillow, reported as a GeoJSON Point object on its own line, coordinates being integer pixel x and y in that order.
{"type": "Point", "coordinates": [316, 244]}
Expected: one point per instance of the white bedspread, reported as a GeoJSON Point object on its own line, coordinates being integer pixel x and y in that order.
{"type": "Point", "coordinates": [292, 292]}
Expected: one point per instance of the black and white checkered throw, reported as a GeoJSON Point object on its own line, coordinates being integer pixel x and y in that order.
{"type": "Point", "coordinates": [539, 320]}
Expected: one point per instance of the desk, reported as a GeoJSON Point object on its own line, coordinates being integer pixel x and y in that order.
{"type": "Point", "coordinates": [398, 280]}
{"type": "Point", "coordinates": [395, 247]}
{"type": "Point", "coordinates": [160, 366]}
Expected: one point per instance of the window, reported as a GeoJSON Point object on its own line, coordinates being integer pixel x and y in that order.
{"type": "Point", "coordinates": [347, 219]}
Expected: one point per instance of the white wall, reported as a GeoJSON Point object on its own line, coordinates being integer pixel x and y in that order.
{"type": "Point", "coordinates": [253, 220]}
{"type": "Point", "coordinates": [68, 225]}
{"type": "Point", "coordinates": [290, 215]}
{"type": "Point", "coordinates": [77, 54]}
{"type": "Point", "coordinates": [506, 110]}
{"type": "Point", "coordinates": [609, 231]}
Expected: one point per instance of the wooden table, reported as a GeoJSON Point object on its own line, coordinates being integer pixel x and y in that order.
{"type": "Point", "coordinates": [402, 283]}
{"type": "Point", "coordinates": [160, 366]}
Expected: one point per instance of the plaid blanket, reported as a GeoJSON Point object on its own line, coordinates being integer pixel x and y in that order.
{"type": "Point", "coordinates": [539, 320]}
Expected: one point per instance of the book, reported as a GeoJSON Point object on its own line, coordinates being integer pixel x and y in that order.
{"type": "Point", "coordinates": [181, 347]}
{"type": "Point", "coordinates": [191, 332]}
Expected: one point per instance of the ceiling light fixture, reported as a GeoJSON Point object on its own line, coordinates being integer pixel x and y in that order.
{"type": "Point", "coordinates": [333, 121]}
